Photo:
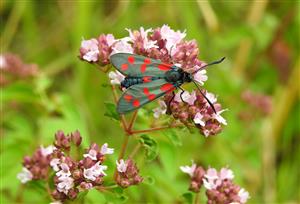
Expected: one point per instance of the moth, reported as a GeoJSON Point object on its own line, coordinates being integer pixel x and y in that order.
{"type": "Point", "coordinates": [148, 79]}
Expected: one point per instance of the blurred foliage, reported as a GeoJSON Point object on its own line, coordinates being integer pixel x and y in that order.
{"type": "Point", "coordinates": [261, 44]}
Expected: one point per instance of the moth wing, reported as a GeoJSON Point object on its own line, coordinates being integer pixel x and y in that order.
{"type": "Point", "coordinates": [138, 66]}
{"type": "Point", "coordinates": [139, 95]}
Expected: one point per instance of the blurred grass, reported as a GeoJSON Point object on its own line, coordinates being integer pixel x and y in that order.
{"type": "Point", "coordinates": [70, 94]}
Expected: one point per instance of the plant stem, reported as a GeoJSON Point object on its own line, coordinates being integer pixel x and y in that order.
{"type": "Point", "coordinates": [115, 95]}
{"type": "Point", "coordinates": [154, 129]}
{"type": "Point", "coordinates": [132, 120]}
{"type": "Point", "coordinates": [197, 198]}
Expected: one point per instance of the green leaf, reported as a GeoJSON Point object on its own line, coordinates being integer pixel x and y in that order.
{"type": "Point", "coordinates": [188, 196]}
{"type": "Point", "coordinates": [173, 137]}
{"type": "Point", "coordinates": [150, 146]}
{"type": "Point", "coordinates": [111, 111]}
{"type": "Point", "coordinates": [149, 180]}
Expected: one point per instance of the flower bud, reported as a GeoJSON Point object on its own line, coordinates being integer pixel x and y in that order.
{"type": "Point", "coordinates": [76, 138]}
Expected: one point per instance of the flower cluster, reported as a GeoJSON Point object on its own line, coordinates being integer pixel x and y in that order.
{"type": "Point", "coordinates": [13, 68]}
{"type": "Point", "coordinates": [128, 173]}
{"type": "Point", "coordinates": [194, 108]}
{"type": "Point", "coordinates": [70, 175]}
{"type": "Point", "coordinates": [169, 46]}
{"type": "Point", "coordinates": [260, 102]}
{"type": "Point", "coordinates": [219, 185]}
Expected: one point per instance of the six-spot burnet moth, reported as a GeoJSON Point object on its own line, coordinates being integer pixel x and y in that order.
{"type": "Point", "coordinates": [148, 79]}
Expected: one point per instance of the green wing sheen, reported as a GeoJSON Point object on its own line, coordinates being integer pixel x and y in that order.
{"type": "Point", "coordinates": [138, 66]}
{"type": "Point", "coordinates": [138, 95]}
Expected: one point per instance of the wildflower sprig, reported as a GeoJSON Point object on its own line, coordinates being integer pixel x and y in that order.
{"type": "Point", "coordinates": [218, 185]}
{"type": "Point", "coordinates": [69, 174]}
{"type": "Point", "coordinates": [169, 46]}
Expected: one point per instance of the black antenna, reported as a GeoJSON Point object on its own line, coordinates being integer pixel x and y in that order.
{"type": "Point", "coordinates": [212, 63]}
{"type": "Point", "coordinates": [210, 103]}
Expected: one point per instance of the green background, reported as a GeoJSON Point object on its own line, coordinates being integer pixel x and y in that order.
{"type": "Point", "coordinates": [68, 94]}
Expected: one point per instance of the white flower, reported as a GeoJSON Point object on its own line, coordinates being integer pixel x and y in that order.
{"type": "Point", "coordinates": [209, 184]}
{"type": "Point", "coordinates": [95, 171]}
{"type": "Point", "coordinates": [244, 195]}
{"type": "Point", "coordinates": [219, 118]}
{"type": "Point", "coordinates": [172, 38]}
{"type": "Point", "coordinates": [91, 50]}
{"type": "Point", "coordinates": [110, 39]}
{"type": "Point", "coordinates": [121, 166]}
{"type": "Point", "coordinates": [65, 184]}
{"type": "Point", "coordinates": [54, 164]}
{"type": "Point", "coordinates": [200, 76]}
{"type": "Point", "coordinates": [48, 150]}
{"type": "Point", "coordinates": [122, 46]}
{"type": "Point", "coordinates": [226, 173]}
{"type": "Point", "coordinates": [189, 169]}
{"type": "Point", "coordinates": [25, 175]}
{"type": "Point", "coordinates": [91, 154]}
{"type": "Point", "coordinates": [162, 109]}
{"type": "Point", "coordinates": [3, 62]}
{"type": "Point", "coordinates": [186, 96]}
{"type": "Point", "coordinates": [105, 150]}
{"type": "Point", "coordinates": [198, 119]}
{"type": "Point", "coordinates": [64, 172]}
{"type": "Point", "coordinates": [116, 77]}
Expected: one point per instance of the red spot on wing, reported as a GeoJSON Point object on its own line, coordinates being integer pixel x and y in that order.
{"type": "Point", "coordinates": [128, 98]}
{"type": "Point", "coordinates": [147, 61]}
{"type": "Point", "coordinates": [147, 79]}
{"type": "Point", "coordinates": [146, 91]}
{"type": "Point", "coordinates": [136, 103]}
{"type": "Point", "coordinates": [151, 97]}
{"type": "Point", "coordinates": [164, 67]}
{"type": "Point", "coordinates": [131, 59]}
{"type": "Point", "coordinates": [143, 68]}
{"type": "Point", "coordinates": [167, 87]}
{"type": "Point", "coordinates": [124, 67]}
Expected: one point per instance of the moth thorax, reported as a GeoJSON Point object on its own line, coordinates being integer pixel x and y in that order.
{"type": "Point", "coordinates": [173, 76]}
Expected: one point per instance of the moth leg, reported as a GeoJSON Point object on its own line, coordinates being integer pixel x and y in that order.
{"type": "Point", "coordinates": [169, 111]}
{"type": "Point", "coordinates": [182, 92]}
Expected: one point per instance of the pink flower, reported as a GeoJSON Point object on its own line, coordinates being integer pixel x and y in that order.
{"type": "Point", "coordinates": [189, 169]}
{"type": "Point", "coordinates": [105, 150]}
{"type": "Point", "coordinates": [122, 46]}
{"type": "Point", "coordinates": [200, 76]}
{"type": "Point", "coordinates": [186, 96]}
{"type": "Point", "coordinates": [89, 50]}
{"type": "Point", "coordinates": [25, 175]}
{"type": "Point", "coordinates": [64, 172]}
{"type": "Point", "coordinates": [110, 39]}
{"type": "Point", "coordinates": [65, 184]}
{"type": "Point", "coordinates": [198, 119]}
{"type": "Point", "coordinates": [91, 154]}
{"type": "Point", "coordinates": [172, 38]}
{"type": "Point", "coordinates": [219, 118]}
{"type": "Point", "coordinates": [211, 97]}
{"type": "Point", "coordinates": [162, 109]}
{"type": "Point", "coordinates": [121, 166]}
{"type": "Point", "coordinates": [244, 195]}
{"type": "Point", "coordinates": [95, 171]}
{"type": "Point", "coordinates": [226, 173]}
{"type": "Point", "coordinates": [54, 163]}
{"type": "Point", "coordinates": [48, 150]}
{"type": "Point", "coordinates": [116, 77]}
{"type": "Point", "coordinates": [3, 62]}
